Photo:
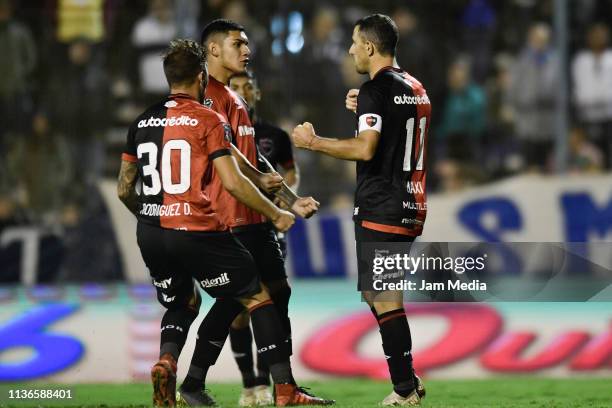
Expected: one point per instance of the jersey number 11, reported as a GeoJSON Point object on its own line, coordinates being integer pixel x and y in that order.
{"type": "Point", "coordinates": [409, 139]}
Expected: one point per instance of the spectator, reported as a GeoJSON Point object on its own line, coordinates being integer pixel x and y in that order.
{"type": "Point", "coordinates": [501, 155]}
{"type": "Point", "coordinates": [464, 116]}
{"type": "Point", "coordinates": [592, 79]}
{"type": "Point", "coordinates": [535, 78]}
{"type": "Point", "coordinates": [584, 156]}
{"type": "Point", "coordinates": [16, 66]}
{"type": "Point", "coordinates": [78, 104]}
{"type": "Point", "coordinates": [150, 38]}
{"type": "Point", "coordinates": [478, 26]}
{"type": "Point", "coordinates": [41, 161]}
{"type": "Point", "coordinates": [414, 53]}
{"type": "Point", "coordinates": [321, 66]}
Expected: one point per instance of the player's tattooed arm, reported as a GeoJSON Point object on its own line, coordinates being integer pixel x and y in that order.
{"type": "Point", "coordinates": [361, 147]}
{"type": "Point", "coordinates": [126, 185]}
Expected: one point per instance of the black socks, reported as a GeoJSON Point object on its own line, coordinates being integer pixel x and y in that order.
{"type": "Point", "coordinates": [397, 346]}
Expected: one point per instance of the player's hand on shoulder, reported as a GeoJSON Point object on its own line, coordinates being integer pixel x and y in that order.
{"type": "Point", "coordinates": [305, 207]}
{"type": "Point", "coordinates": [351, 100]}
{"type": "Point", "coordinates": [283, 220]}
{"type": "Point", "coordinates": [270, 182]}
{"type": "Point", "coordinates": [303, 135]}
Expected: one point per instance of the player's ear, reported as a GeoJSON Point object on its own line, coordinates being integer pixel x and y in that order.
{"type": "Point", "coordinates": [370, 48]}
{"type": "Point", "coordinates": [214, 49]}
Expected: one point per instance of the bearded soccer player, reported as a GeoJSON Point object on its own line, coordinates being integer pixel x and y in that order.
{"type": "Point", "coordinates": [178, 149]}
{"type": "Point", "coordinates": [227, 54]}
{"type": "Point", "coordinates": [393, 116]}
{"type": "Point", "coordinates": [275, 145]}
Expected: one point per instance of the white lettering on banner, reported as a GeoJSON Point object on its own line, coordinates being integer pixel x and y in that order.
{"type": "Point", "coordinates": [218, 281]}
{"type": "Point", "coordinates": [30, 238]}
{"type": "Point", "coordinates": [182, 120]}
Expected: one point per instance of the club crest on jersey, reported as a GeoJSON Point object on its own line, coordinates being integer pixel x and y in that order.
{"type": "Point", "coordinates": [266, 146]}
{"type": "Point", "coordinates": [371, 121]}
{"type": "Point", "coordinates": [208, 103]}
{"type": "Point", "coordinates": [227, 132]}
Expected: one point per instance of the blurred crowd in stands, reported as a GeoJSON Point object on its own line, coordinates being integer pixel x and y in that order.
{"type": "Point", "coordinates": [74, 73]}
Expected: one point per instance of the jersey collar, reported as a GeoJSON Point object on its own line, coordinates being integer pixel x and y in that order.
{"type": "Point", "coordinates": [385, 69]}
{"type": "Point", "coordinates": [181, 95]}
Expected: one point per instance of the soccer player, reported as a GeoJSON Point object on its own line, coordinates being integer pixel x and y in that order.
{"type": "Point", "coordinates": [227, 54]}
{"type": "Point", "coordinates": [275, 145]}
{"type": "Point", "coordinates": [393, 115]}
{"type": "Point", "coordinates": [176, 150]}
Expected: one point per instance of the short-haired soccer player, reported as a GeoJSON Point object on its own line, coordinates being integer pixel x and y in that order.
{"type": "Point", "coordinates": [227, 50]}
{"type": "Point", "coordinates": [393, 117]}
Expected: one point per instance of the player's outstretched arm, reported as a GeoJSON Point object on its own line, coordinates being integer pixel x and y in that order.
{"type": "Point", "coordinates": [268, 182]}
{"type": "Point", "coordinates": [126, 185]}
{"type": "Point", "coordinates": [361, 147]}
{"type": "Point", "coordinates": [243, 189]}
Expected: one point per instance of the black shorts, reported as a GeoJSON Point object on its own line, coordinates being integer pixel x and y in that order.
{"type": "Point", "coordinates": [261, 241]}
{"type": "Point", "coordinates": [363, 235]}
{"type": "Point", "coordinates": [216, 260]}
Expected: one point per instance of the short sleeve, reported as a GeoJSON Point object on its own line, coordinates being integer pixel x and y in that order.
{"type": "Point", "coordinates": [370, 108]}
{"type": "Point", "coordinates": [218, 141]}
{"type": "Point", "coordinates": [129, 151]}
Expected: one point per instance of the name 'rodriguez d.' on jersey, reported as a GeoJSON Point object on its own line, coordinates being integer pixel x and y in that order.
{"type": "Point", "coordinates": [174, 143]}
{"type": "Point", "coordinates": [390, 194]}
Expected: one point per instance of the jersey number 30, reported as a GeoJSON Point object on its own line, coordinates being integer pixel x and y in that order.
{"type": "Point", "coordinates": [150, 169]}
{"type": "Point", "coordinates": [409, 138]}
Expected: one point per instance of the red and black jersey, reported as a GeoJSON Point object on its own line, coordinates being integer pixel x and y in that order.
{"type": "Point", "coordinates": [174, 143]}
{"type": "Point", "coordinates": [234, 110]}
{"type": "Point", "coordinates": [390, 195]}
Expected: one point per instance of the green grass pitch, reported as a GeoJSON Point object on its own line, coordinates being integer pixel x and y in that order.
{"type": "Point", "coordinates": [498, 392]}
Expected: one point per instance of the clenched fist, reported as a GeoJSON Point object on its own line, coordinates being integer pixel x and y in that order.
{"type": "Point", "coordinates": [283, 220]}
{"type": "Point", "coordinates": [303, 135]}
{"type": "Point", "coordinates": [305, 207]}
